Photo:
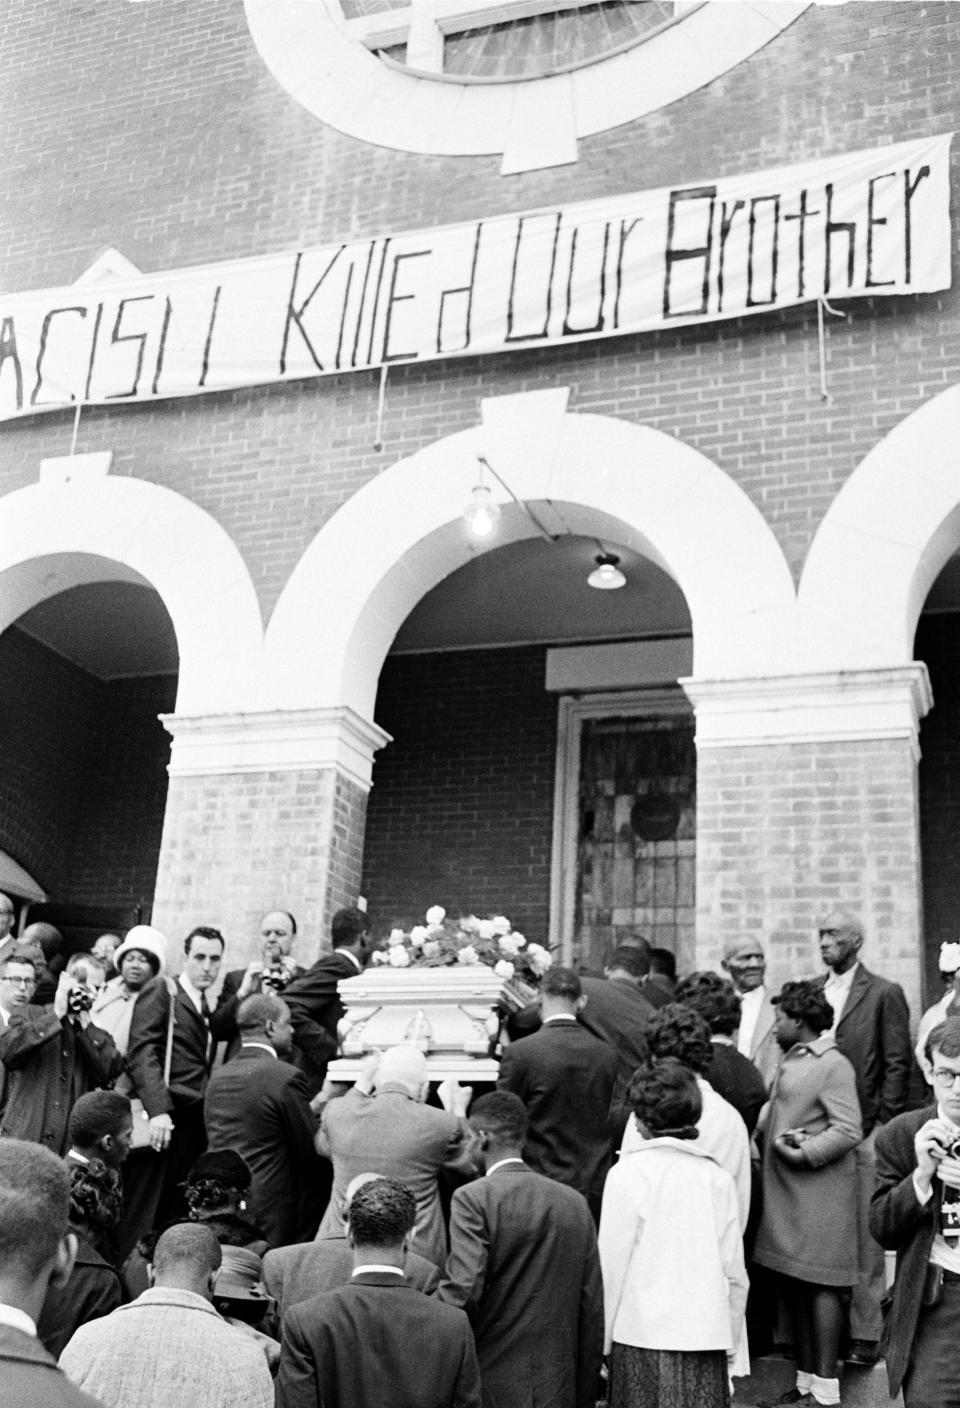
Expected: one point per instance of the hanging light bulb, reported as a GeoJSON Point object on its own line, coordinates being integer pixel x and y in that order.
{"type": "Point", "coordinates": [606, 576]}
{"type": "Point", "coordinates": [481, 513]}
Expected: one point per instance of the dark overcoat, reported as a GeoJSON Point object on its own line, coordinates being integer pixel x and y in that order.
{"type": "Point", "coordinates": [524, 1265]}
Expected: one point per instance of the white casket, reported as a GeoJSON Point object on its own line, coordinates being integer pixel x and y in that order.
{"type": "Point", "coordinates": [447, 1012]}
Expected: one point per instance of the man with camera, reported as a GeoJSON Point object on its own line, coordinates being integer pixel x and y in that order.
{"type": "Point", "coordinates": [55, 1054]}
{"type": "Point", "coordinates": [269, 973]}
{"type": "Point", "coordinates": [916, 1212]}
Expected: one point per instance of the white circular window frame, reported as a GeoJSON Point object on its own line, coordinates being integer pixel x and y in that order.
{"type": "Point", "coordinates": [532, 123]}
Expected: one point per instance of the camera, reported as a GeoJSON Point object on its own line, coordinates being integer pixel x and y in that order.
{"type": "Point", "coordinates": [79, 1000]}
{"type": "Point", "coordinates": [275, 978]}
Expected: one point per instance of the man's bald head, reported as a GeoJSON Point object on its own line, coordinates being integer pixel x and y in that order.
{"type": "Point", "coordinates": [405, 1066]}
{"type": "Point", "coordinates": [186, 1258]}
{"type": "Point", "coordinates": [7, 916]}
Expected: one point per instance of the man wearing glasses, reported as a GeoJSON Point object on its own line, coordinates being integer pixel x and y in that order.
{"type": "Point", "coordinates": [916, 1212]}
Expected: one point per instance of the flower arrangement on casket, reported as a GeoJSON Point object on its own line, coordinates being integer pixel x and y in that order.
{"type": "Point", "coordinates": [445, 942]}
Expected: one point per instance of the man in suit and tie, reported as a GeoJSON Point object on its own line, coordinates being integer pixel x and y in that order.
{"type": "Point", "coordinates": [524, 1265]}
{"type": "Point", "coordinates": [197, 1027]}
{"type": "Point", "coordinates": [378, 1340]}
{"type": "Point", "coordinates": [916, 1212]}
{"type": "Point", "coordinates": [746, 964]}
{"type": "Point", "coordinates": [566, 1078]}
{"type": "Point", "coordinates": [314, 1004]}
{"type": "Point", "coordinates": [259, 1105]}
{"type": "Point", "coordinates": [872, 1029]}
{"type": "Point", "coordinates": [295, 1273]}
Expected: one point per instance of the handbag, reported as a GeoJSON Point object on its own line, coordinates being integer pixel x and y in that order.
{"type": "Point", "coordinates": [140, 1138]}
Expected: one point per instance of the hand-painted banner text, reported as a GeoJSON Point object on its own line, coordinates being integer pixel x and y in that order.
{"type": "Point", "coordinates": [863, 224]}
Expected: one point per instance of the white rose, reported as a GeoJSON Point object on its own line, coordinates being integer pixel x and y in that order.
{"type": "Point", "coordinates": [501, 924]}
{"type": "Point", "coordinates": [379, 956]}
{"type": "Point", "coordinates": [518, 939]}
{"type": "Point", "coordinates": [539, 957]}
{"type": "Point", "coordinates": [485, 929]}
{"type": "Point", "coordinates": [468, 955]}
{"type": "Point", "coordinates": [398, 957]}
{"type": "Point", "coordinates": [503, 969]}
{"type": "Point", "coordinates": [436, 914]}
{"type": "Point", "coordinates": [470, 925]}
{"type": "Point", "coordinates": [396, 936]}
{"type": "Point", "coordinates": [430, 948]}
{"type": "Point", "coordinates": [417, 934]}
{"type": "Point", "coordinates": [508, 944]}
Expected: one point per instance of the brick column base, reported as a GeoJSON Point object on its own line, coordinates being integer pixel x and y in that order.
{"type": "Point", "coordinates": [807, 800]}
{"type": "Point", "coordinates": [240, 839]}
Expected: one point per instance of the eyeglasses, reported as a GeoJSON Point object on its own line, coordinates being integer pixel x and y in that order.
{"type": "Point", "coordinates": [20, 982]}
{"type": "Point", "coordinates": [945, 1077]}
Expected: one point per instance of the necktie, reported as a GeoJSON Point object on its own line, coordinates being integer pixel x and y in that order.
{"type": "Point", "coordinates": [205, 1014]}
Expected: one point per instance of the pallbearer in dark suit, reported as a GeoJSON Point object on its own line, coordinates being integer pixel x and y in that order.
{"type": "Point", "coordinates": [314, 1005]}
{"type": "Point", "coordinates": [378, 1341]}
{"type": "Point", "coordinates": [524, 1265]}
{"type": "Point", "coordinates": [565, 1078]}
{"type": "Point", "coordinates": [259, 1105]}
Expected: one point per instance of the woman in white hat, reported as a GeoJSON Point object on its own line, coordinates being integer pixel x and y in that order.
{"type": "Point", "coordinates": [140, 960]}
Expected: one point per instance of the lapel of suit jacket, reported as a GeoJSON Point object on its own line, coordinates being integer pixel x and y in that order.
{"type": "Point", "coordinates": [858, 989]}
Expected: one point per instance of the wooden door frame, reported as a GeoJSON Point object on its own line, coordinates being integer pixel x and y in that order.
{"type": "Point", "coordinates": [573, 712]}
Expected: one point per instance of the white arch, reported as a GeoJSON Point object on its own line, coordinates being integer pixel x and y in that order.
{"type": "Point", "coordinates": [88, 525]}
{"type": "Point", "coordinates": [882, 543]}
{"type": "Point", "coordinates": [402, 533]}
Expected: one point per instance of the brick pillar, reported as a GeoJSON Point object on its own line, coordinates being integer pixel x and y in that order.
{"type": "Point", "coordinates": [264, 811]}
{"type": "Point", "coordinates": [807, 799]}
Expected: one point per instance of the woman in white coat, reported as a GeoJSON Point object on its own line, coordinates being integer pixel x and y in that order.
{"type": "Point", "coordinates": [671, 1252]}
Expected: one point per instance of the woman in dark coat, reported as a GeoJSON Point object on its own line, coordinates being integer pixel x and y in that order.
{"type": "Point", "coordinates": [94, 1288]}
{"type": "Point", "coordinates": [810, 1129]}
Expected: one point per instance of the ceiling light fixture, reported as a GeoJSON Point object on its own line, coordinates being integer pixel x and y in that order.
{"type": "Point", "coordinates": [606, 576]}
{"type": "Point", "coordinates": [481, 513]}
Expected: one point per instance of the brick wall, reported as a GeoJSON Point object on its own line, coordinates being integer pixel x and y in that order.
{"type": "Point", "coordinates": [462, 803]}
{"type": "Point", "coordinates": [938, 643]}
{"type": "Point", "coordinates": [237, 845]}
{"type": "Point", "coordinates": [786, 832]}
{"type": "Point", "coordinates": [82, 775]}
{"type": "Point", "coordinates": [172, 142]}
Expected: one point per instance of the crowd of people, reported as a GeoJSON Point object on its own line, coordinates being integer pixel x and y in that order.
{"type": "Point", "coordinates": [665, 1179]}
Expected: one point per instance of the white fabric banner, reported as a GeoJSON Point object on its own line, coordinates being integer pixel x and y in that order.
{"type": "Point", "coordinates": [864, 224]}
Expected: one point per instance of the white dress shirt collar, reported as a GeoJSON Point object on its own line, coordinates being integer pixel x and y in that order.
{"type": "Point", "coordinates": [392, 1270]}
{"type": "Point", "coordinates": [261, 1046]}
{"type": "Point", "coordinates": [500, 1163]}
{"type": "Point", "coordinates": [17, 1319]}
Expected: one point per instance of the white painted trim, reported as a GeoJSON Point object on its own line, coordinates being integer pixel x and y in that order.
{"type": "Point", "coordinates": [841, 706]}
{"type": "Point", "coordinates": [881, 544]}
{"type": "Point", "coordinates": [109, 265]}
{"type": "Point", "coordinates": [623, 665]}
{"type": "Point", "coordinates": [61, 469]}
{"type": "Point", "coordinates": [625, 483]}
{"type": "Point", "coordinates": [61, 532]}
{"type": "Point", "coordinates": [310, 53]}
{"type": "Point", "coordinates": [644, 703]}
{"type": "Point", "coordinates": [293, 741]}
